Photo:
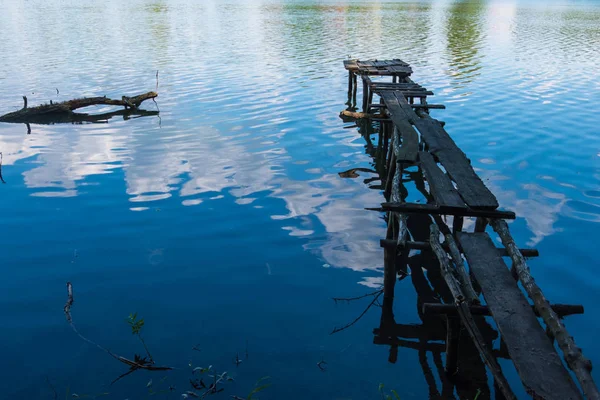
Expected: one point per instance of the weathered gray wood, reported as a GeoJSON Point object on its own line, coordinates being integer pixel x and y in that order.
{"type": "Point", "coordinates": [466, 316]}
{"type": "Point", "coordinates": [469, 185]}
{"type": "Point", "coordinates": [580, 365]}
{"type": "Point", "coordinates": [450, 309]}
{"type": "Point", "coordinates": [502, 252]}
{"type": "Point", "coordinates": [440, 186]}
{"type": "Point", "coordinates": [461, 271]}
{"type": "Point", "coordinates": [417, 208]}
{"type": "Point", "coordinates": [440, 144]}
{"type": "Point", "coordinates": [406, 149]}
{"type": "Point", "coordinates": [410, 138]}
{"type": "Point", "coordinates": [432, 106]}
{"type": "Point", "coordinates": [539, 366]}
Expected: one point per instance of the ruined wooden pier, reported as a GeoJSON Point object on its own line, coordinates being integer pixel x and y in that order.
{"type": "Point", "coordinates": [460, 275]}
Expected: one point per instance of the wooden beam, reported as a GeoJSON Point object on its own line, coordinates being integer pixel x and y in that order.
{"type": "Point", "coordinates": [417, 208]}
{"type": "Point", "coordinates": [450, 309]}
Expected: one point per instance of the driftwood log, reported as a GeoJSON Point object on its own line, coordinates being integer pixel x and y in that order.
{"type": "Point", "coordinates": [59, 110]}
{"type": "Point", "coordinates": [579, 364]}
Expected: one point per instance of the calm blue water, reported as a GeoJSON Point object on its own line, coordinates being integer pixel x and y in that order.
{"type": "Point", "coordinates": [224, 223]}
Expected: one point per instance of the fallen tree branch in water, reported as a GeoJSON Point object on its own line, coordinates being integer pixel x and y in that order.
{"type": "Point", "coordinates": [31, 114]}
{"type": "Point", "coordinates": [138, 363]}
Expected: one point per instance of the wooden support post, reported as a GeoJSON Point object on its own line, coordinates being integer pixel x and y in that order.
{"type": "Point", "coordinates": [350, 80]}
{"type": "Point", "coordinates": [452, 340]}
{"type": "Point", "coordinates": [480, 224]}
{"type": "Point", "coordinates": [457, 224]}
{"type": "Point", "coordinates": [354, 88]}
{"type": "Point", "coordinates": [389, 264]}
{"type": "Point", "coordinates": [365, 95]}
{"type": "Point", "coordinates": [579, 364]}
{"type": "Point", "coordinates": [386, 139]}
{"type": "Point", "coordinates": [369, 100]}
{"type": "Point", "coordinates": [391, 172]}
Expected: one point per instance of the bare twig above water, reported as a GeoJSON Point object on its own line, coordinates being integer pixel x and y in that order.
{"type": "Point", "coordinates": [349, 299]}
{"type": "Point", "coordinates": [374, 302]}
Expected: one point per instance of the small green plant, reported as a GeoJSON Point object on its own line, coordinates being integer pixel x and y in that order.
{"type": "Point", "coordinates": [135, 324]}
{"type": "Point", "coordinates": [384, 396]}
{"type": "Point", "coordinates": [260, 386]}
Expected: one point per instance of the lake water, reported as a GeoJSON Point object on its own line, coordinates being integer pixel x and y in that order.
{"type": "Point", "coordinates": [224, 223]}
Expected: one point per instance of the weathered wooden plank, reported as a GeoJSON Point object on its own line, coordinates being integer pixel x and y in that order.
{"type": "Point", "coordinates": [469, 185]}
{"type": "Point", "coordinates": [351, 65]}
{"type": "Point", "coordinates": [417, 208]}
{"type": "Point", "coordinates": [432, 106]}
{"type": "Point", "coordinates": [539, 366]}
{"type": "Point", "coordinates": [450, 309]}
{"type": "Point", "coordinates": [408, 150]}
{"type": "Point", "coordinates": [440, 185]}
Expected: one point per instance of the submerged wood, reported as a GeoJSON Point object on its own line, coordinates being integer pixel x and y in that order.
{"type": "Point", "coordinates": [359, 115]}
{"type": "Point", "coordinates": [466, 316]}
{"type": "Point", "coordinates": [579, 364]}
{"type": "Point", "coordinates": [31, 114]}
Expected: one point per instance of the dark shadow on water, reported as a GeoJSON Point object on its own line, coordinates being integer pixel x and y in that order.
{"type": "Point", "coordinates": [82, 118]}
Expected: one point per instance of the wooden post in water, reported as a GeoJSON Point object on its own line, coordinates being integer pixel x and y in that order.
{"type": "Point", "coordinates": [452, 340]}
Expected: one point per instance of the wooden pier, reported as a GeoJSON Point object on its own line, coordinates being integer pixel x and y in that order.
{"type": "Point", "coordinates": [460, 276]}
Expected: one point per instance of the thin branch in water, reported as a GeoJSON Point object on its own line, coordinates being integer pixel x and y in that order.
{"type": "Point", "coordinates": [55, 395]}
{"type": "Point", "coordinates": [137, 363]}
{"type": "Point", "coordinates": [28, 128]}
{"type": "Point", "coordinates": [336, 330]}
{"type": "Point", "coordinates": [146, 348]}
{"type": "Point", "coordinates": [237, 360]}
{"type": "Point", "coordinates": [321, 364]}
{"type": "Point", "coordinates": [156, 81]}
{"type": "Point", "coordinates": [349, 299]}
